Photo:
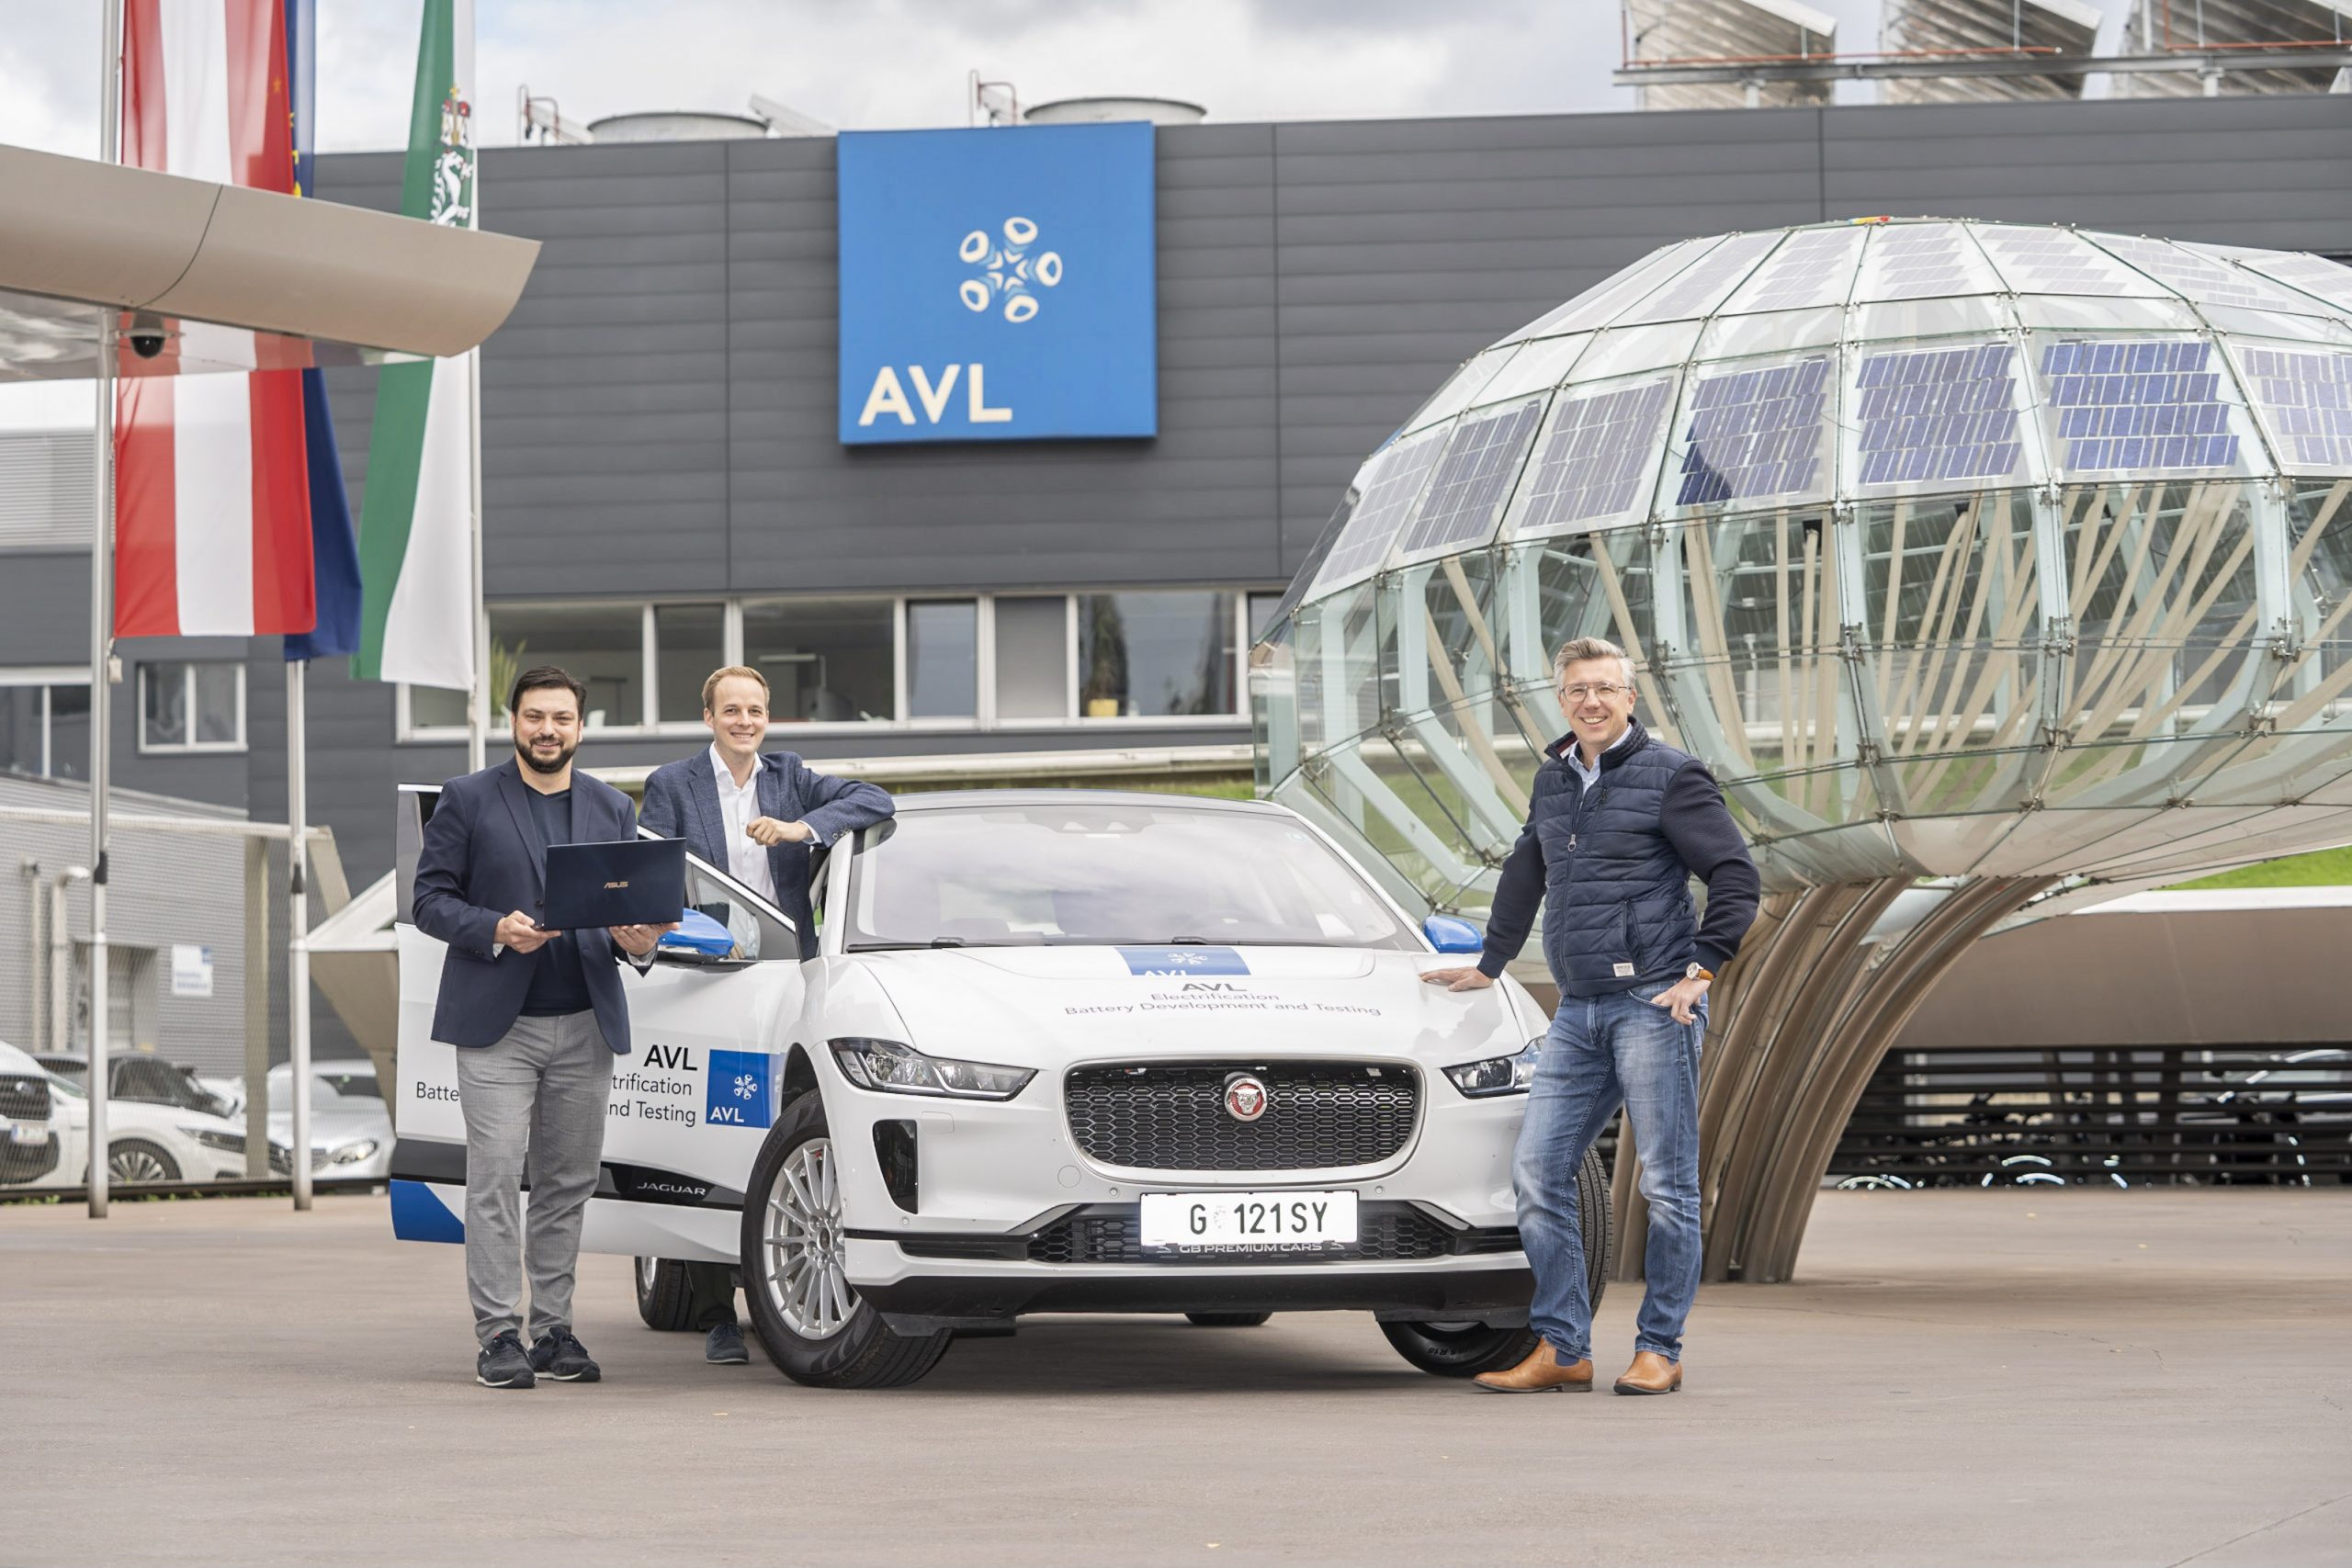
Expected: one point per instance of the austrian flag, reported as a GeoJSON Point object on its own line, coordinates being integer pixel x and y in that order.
{"type": "Point", "coordinates": [212, 509]}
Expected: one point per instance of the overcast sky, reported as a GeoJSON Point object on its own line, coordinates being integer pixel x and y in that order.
{"type": "Point", "coordinates": [873, 64]}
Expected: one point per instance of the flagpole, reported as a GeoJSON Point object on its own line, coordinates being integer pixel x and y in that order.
{"type": "Point", "coordinates": [297, 938]}
{"type": "Point", "coordinates": [478, 699]}
{"type": "Point", "coordinates": [101, 638]}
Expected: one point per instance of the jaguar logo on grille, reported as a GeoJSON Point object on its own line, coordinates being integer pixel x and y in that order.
{"type": "Point", "coordinates": [1245, 1098]}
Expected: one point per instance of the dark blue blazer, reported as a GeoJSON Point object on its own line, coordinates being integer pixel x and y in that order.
{"type": "Point", "coordinates": [682, 802]}
{"type": "Point", "coordinates": [482, 859]}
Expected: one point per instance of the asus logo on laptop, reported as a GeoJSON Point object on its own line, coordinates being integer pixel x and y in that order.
{"type": "Point", "coordinates": [609, 886]}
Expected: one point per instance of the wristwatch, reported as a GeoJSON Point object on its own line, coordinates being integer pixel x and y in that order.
{"type": "Point", "coordinates": [1696, 973]}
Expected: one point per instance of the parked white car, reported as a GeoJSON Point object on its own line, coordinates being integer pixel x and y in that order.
{"type": "Point", "coordinates": [32, 1147]}
{"type": "Point", "coordinates": [351, 1128]}
{"type": "Point", "coordinates": [1061, 1051]}
{"type": "Point", "coordinates": [145, 1142]}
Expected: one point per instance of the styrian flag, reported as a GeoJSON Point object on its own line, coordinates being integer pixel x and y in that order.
{"type": "Point", "coordinates": [414, 556]}
{"type": "Point", "coordinates": [212, 511]}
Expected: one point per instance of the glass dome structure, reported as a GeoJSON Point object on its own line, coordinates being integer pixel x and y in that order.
{"type": "Point", "coordinates": [1957, 549]}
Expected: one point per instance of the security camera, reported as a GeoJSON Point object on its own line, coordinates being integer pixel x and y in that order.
{"type": "Point", "coordinates": [146, 337]}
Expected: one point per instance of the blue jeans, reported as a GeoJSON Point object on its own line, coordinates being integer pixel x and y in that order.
{"type": "Point", "coordinates": [1603, 1052]}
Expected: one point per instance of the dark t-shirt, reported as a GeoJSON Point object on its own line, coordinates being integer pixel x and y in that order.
{"type": "Point", "coordinates": [558, 985]}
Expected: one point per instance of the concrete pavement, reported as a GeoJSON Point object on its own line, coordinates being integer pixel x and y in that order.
{"type": "Point", "coordinates": [2153, 1376]}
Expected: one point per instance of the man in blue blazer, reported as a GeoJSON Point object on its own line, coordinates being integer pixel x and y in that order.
{"type": "Point", "coordinates": [757, 817]}
{"type": "Point", "coordinates": [537, 1015]}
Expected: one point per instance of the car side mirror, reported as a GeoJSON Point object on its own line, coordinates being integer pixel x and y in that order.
{"type": "Point", "coordinates": [699, 939]}
{"type": "Point", "coordinates": [1452, 934]}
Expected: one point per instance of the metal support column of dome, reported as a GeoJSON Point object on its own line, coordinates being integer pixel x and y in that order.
{"type": "Point", "coordinates": [1993, 568]}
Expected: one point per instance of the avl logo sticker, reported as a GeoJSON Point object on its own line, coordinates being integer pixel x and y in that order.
{"type": "Point", "coordinates": [741, 1090]}
{"type": "Point", "coordinates": [998, 285]}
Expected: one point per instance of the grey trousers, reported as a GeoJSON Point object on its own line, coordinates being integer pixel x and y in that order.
{"type": "Point", "coordinates": [535, 1106]}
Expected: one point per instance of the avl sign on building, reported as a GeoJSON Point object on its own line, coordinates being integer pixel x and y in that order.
{"type": "Point", "coordinates": [997, 284]}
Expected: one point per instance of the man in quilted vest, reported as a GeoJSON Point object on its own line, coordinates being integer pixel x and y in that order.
{"type": "Point", "coordinates": [1618, 823]}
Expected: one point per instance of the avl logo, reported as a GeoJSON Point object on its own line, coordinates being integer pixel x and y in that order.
{"type": "Point", "coordinates": [997, 284]}
{"type": "Point", "coordinates": [741, 1091]}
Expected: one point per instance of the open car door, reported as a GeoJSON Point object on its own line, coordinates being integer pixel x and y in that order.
{"type": "Point", "coordinates": [690, 1103]}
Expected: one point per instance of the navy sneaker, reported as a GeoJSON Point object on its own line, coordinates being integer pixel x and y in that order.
{"type": "Point", "coordinates": [556, 1354]}
{"type": "Point", "coordinates": [502, 1363]}
{"type": "Point", "coordinates": [723, 1346]}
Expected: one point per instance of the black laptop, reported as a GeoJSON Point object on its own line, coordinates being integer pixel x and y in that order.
{"type": "Point", "coordinates": [635, 882]}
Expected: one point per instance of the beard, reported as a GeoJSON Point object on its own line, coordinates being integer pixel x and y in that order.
{"type": "Point", "coordinates": [531, 760]}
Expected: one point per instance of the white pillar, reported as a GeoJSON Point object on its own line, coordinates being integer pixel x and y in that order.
{"type": "Point", "coordinates": [102, 636]}
{"type": "Point", "coordinates": [297, 929]}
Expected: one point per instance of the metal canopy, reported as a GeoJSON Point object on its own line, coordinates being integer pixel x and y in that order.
{"type": "Point", "coordinates": [236, 280]}
{"type": "Point", "coordinates": [2280, 30]}
{"type": "Point", "coordinates": [1721, 33]}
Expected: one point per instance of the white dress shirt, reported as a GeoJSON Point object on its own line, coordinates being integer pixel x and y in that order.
{"type": "Point", "coordinates": [1585, 777]}
{"type": "Point", "coordinates": [747, 858]}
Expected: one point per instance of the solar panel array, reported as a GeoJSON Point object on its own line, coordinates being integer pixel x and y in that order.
{"type": "Point", "coordinates": [1392, 483]}
{"type": "Point", "coordinates": [2309, 400]}
{"type": "Point", "coordinates": [1755, 432]}
{"type": "Point", "coordinates": [2136, 403]}
{"type": "Point", "coordinates": [1705, 282]}
{"type": "Point", "coordinates": [1940, 414]}
{"type": "Point", "coordinates": [1600, 448]}
{"type": "Point", "coordinates": [1473, 478]}
{"type": "Point", "coordinates": [1814, 268]}
{"type": "Point", "coordinates": [2200, 279]}
{"type": "Point", "coordinates": [2312, 275]}
{"type": "Point", "coordinates": [2051, 261]}
{"type": "Point", "coordinates": [1921, 261]}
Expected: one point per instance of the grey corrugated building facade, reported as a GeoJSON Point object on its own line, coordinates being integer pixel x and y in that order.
{"type": "Point", "coordinates": [661, 454]}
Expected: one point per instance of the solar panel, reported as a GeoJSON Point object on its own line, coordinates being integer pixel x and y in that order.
{"type": "Point", "coordinates": [1474, 478]}
{"type": "Point", "coordinates": [1600, 303]}
{"type": "Point", "coordinates": [2312, 275]}
{"type": "Point", "coordinates": [1814, 268]}
{"type": "Point", "coordinates": [2137, 403]}
{"type": "Point", "coordinates": [2200, 279]}
{"type": "Point", "coordinates": [1755, 434]}
{"type": "Point", "coordinates": [2309, 400]}
{"type": "Point", "coordinates": [2050, 261]}
{"type": "Point", "coordinates": [1920, 261]}
{"type": "Point", "coordinates": [1593, 462]}
{"type": "Point", "coordinates": [1701, 286]}
{"type": "Point", "coordinates": [1938, 414]}
{"type": "Point", "coordinates": [1391, 483]}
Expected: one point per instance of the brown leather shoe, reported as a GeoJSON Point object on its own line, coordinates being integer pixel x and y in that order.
{"type": "Point", "coordinates": [1650, 1373]}
{"type": "Point", "coordinates": [1541, 1374]}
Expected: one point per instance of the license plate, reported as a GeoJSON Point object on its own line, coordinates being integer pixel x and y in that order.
{"type": "Point", "coordinates": [1229, 1221]}
{"type": "Point", "coordinates": [26, 1131]}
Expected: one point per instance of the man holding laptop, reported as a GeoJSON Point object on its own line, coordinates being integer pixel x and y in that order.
{"type": "Point", "coordinates": [757, 817]}
{"type": "Point", "coordinates": [512, 857]}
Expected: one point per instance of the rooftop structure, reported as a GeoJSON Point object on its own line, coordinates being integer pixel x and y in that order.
{"type": "Point", "coordinates": [2014, 557]}
{"type": "Point", "coordinates": [1928, 28]}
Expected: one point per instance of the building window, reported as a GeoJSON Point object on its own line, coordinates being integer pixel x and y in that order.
{"type": "Point", "coordinates": [44, 725]}
{"type": "Point", "coordinates": [1156, 654]}
{"type": "Point", "coordinates": [826, 661]}
{"type": "Point", "coordinates": [689, 642]}
{"type": "Point", "coordinates": [1033, 657]}
{"type": "Point", "coordinates": [192, 705]}
{"type": "Point", "coordinates": [944, 659]}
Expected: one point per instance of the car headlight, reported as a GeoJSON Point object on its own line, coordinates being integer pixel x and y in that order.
{"type": "Point", "coordinates": [1498, 1075]}
{"type": "Point", "coordinates": [895, 1068]}
{"type": "Point", "coordinates": [352, 1154]}
{"type": "Point", "coordinates": [227, 1143]}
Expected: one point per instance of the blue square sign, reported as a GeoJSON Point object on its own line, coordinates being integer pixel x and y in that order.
{"type": "Point", "coordinates": [741, 1092]}
{"type": "Point", "coordinates": [998, 285]}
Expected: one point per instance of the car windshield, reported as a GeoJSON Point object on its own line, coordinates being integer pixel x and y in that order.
{"type": "Point", "coordinates": [1093, 872]}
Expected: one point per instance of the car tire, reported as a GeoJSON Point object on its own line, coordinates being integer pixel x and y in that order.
{"type": "Point", "coordinates": [135, 1161]}
{"type": "Point", "coordinates": [815, 1328]}
{"type": "Point", "coordinates": [1227, 1319]}
{"type": "Point", "coordinates": [1463, 1349]}
{"type": "Point", "coordinates": [663, 1298]}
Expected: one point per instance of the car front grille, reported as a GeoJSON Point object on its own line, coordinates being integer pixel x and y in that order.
{"type": "Point", "coordinates": [23, 1098]}
{"type": "Point", "coordinates": [1171, 1115]}
{"type": "Point", "coordinates": [1386, 1233]}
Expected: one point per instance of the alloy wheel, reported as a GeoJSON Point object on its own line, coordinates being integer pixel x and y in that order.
{"type": "Point", "coordinates": [803, 1271]}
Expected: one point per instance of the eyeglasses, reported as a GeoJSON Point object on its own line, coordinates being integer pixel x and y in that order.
{"type": "Point", "coordinates": [1604, 690]}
